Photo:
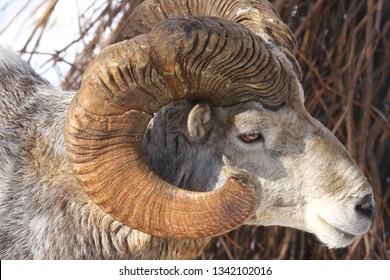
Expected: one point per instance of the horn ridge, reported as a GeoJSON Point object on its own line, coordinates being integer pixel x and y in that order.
{"type": "Point", "coordinates": [259, 16]}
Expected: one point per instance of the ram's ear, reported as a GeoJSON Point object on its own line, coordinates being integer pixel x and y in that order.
{"type": "Point", "coordinates": [198, 121]}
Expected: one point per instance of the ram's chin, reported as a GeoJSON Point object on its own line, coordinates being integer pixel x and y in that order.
{"type": "Point", "coordinates": [332, 236]}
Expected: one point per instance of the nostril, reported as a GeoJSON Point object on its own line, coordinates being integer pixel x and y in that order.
{"type": "Point", "coordinates": [364, 210]}
{"type": "Point", "coordinates": [366, 206]}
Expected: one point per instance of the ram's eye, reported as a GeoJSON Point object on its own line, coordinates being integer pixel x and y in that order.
{"type": "Point", "coordinates": [251, 136]}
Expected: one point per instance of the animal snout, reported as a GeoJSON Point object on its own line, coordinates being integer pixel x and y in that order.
{"type": "Point", "coordinates": [365, 207]}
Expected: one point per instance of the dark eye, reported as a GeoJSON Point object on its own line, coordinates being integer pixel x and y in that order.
{"type": "Point", "coordinates": [251, 136]}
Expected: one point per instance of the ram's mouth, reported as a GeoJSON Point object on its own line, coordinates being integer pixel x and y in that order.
{"type": "Point", "coordinates": [335, 231]}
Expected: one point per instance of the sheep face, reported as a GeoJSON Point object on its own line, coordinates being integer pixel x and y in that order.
{"type": "Point", "coordinates": [307, 179]}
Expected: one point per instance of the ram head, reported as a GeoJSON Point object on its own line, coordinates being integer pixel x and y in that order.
{"type": "Point", "coordinates": [233, 70]}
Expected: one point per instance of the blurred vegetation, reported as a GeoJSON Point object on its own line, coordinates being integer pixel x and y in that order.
{"type": "Point", "coordinates": [344, 52]}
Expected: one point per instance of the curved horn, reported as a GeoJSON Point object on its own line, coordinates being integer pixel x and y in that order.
{"type": "Point", "coordinates": [256, 15]}
{"type": "Point", "coordinates": [198, 58]}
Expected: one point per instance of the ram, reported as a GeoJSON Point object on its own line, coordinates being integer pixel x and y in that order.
{"type": "Point", "coordinates": [189, 126]}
